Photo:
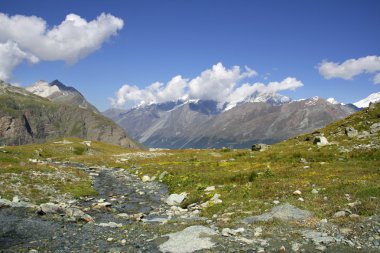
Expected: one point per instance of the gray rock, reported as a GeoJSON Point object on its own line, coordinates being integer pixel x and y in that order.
{"type": "Point", "coordinates": [210, 188]}
{"type": "Point", "coordinates": [374, 128]}
{"type": "Point", "coordinates": [314, 191]}
{"type": "Point", "coordinates": [259, 147]}
{"type": "Point", "coordinates": [318, 238]}
{"type": "Point", "coordinates": [51, 208]}
{"type": "Point", "coordinates": [110, 225]}
{"type": "Point", "coordinates": [339, 214]}
{"type": "Point", "coordinates": [146, 178]}
{"type": "Point", "coordinates": [75, 214]}
{"type": "Point", "coordinates": [284, 212]}
{"type": "Point", "coordinates": [320, 141]}
{"type": "Point", "coordinates": [5, 203]}
{"type": "Point", "coordinates": [189, 240]}
{"type": "Point", "coordinates": [162, 175]}
{"type": "Point", "coordinates": [176, 199]}
{"type": "Point", "coordinates": [351, 132]}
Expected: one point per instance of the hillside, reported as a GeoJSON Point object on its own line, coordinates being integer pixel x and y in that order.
{"type": "Point", "coordinates": [26, 118]}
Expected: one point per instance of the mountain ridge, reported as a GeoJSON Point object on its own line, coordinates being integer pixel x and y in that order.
{"type": "Point", "coordinates": [29, 118]}
{"type": "Point", "coordinates": [58, 92]}
{"type": "Point", "coordinates": [203, 124]}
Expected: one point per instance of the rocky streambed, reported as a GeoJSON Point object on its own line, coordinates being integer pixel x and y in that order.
{"type": "Point", "coordinates": [130, 215]}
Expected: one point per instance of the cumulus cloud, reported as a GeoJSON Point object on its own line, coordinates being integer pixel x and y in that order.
{"type": "Point", "coordinates": [246, 90]}
{"type": "Point", "coordinates": [11, 55]}
{"type": "Point", "coordinates": [217, 83]}
{"type": "Point", "coordinates": [70, 41]}
{"type": "Point", "coordinates": [155, 93]}
{"type": "Point", "coordinates": [350, 68]}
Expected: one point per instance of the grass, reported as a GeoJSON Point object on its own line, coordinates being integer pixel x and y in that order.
{"type": "Point", "coordinates": [247, 181]}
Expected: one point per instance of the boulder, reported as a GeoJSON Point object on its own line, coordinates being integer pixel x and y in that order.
{"type": "Point", "coordinates": [339, 214]}
{"type": "Point", "coordinates": [260, 147]}
{"type": "Point", "coordinates": [51, 208]}
{"type": "Point", "coordinates": [146, 178]}
{"type": "Point", "coordinates": [284, 212]}
{"type": "Point", "coordinates": [351, 132]}
{"type": "Point", "coordinates": [176, 199]}
{"type": "Point", "coordinates": [320, 141]}
{"type": "Point", "coordinates": [190, 239]}
{"type": "Point", "coordinates": [374, 128]}
{"type": "Point", "coordinates": [75, 214]}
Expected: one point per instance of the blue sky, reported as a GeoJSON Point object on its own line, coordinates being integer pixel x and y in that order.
{"type": "Point", "coordinates": [162, 39]}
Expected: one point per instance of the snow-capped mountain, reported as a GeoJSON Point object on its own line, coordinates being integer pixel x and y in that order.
{"type": "Point", "coordinates": [43, 89]}
{"type": "Point", "coordinates": [58, 92]}
{"type": "Point", "coordinates": [265, 118]}
{"type": "Point", "coordinates": [373, 98]}
{"type": "Point", "coordinates": [270, 98]}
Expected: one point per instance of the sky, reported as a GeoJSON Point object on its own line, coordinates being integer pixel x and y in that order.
{"type": "Point", "coordinates": [123, 53]}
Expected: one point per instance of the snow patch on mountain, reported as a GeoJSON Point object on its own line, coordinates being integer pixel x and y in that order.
{"type": "Point", "coordinates": [373, 98]}
{"type": "Point", "coordinates": [43, 89]}
{"type": "Point", "coordinates": [270, 98]}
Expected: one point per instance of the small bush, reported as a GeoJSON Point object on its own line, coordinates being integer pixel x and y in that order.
{"type": "Point", "coordinates": [252, 176]}
{"type": "Point", "coordinates": [268, 173]}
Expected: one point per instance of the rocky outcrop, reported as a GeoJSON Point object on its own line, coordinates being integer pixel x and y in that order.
{"type": "Point", "coordinates": [27, 118]}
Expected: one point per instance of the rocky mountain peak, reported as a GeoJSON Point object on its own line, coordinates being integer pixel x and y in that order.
{"type": "Point", "coordinates": [59, 92]}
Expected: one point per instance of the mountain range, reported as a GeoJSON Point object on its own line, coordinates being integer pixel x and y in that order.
{"type": "Point", "coordinates": [50, 110]}
{"type": "Point", "coordinates": [56, 111]}
{"type": "Point", "coordinates": [262, 118]}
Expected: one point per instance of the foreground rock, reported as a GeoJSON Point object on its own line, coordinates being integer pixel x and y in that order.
{"type": "Point", "coordinates": [259, 147]}
{"type": "Point", "coordinates": [189, 240]}
{"type": "Point", "coordinates": [176, 199]}
{"type": "Point", "coordinates": [285, 212]}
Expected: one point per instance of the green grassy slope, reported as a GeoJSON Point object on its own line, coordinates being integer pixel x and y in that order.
{"type": "Point", "coordinates": [345, 171]}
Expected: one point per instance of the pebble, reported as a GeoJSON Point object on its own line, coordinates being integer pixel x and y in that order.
{"type": "Point", "coordinates": [282, 249]}
{"type": "Point", "coordinates": [210, 188]}
{"type": "Point", "coordinates": [276, 202]}
{"type": "Point", "coordinates": [321, 248]}
{"type": "Point", "coordinates": [146, 178]}
{"type": "Point", "coordinates": [297, 192]}
{"type": "Point", "coordinates": [258, 231]}
{"type": "Point", "coordinates": [110, 239]}
{"type": "Point", "coordinates": [296, 247]}
{"type": "Point", "coordinates": [314, 191]}
{"type": "Point", "coordinates": [339, 214]}
{"type": "Point", "coordinates": [301, 199]}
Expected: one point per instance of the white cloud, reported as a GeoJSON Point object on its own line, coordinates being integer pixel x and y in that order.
{"type": "Point", "coordinates": [218, 83]}
{"type": "Point", "coordinates": [376, 79]}
{"type": "Point", "coordinates": [11, 55]}
{"type": "Point", "coordinates": [155, 93]}
{"type": "Point", "coordinates": [350, 68]}
{"type": "Point", "coordinates": [70, 41]}
{"type": "Point", "coordinates": [247, 90]}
